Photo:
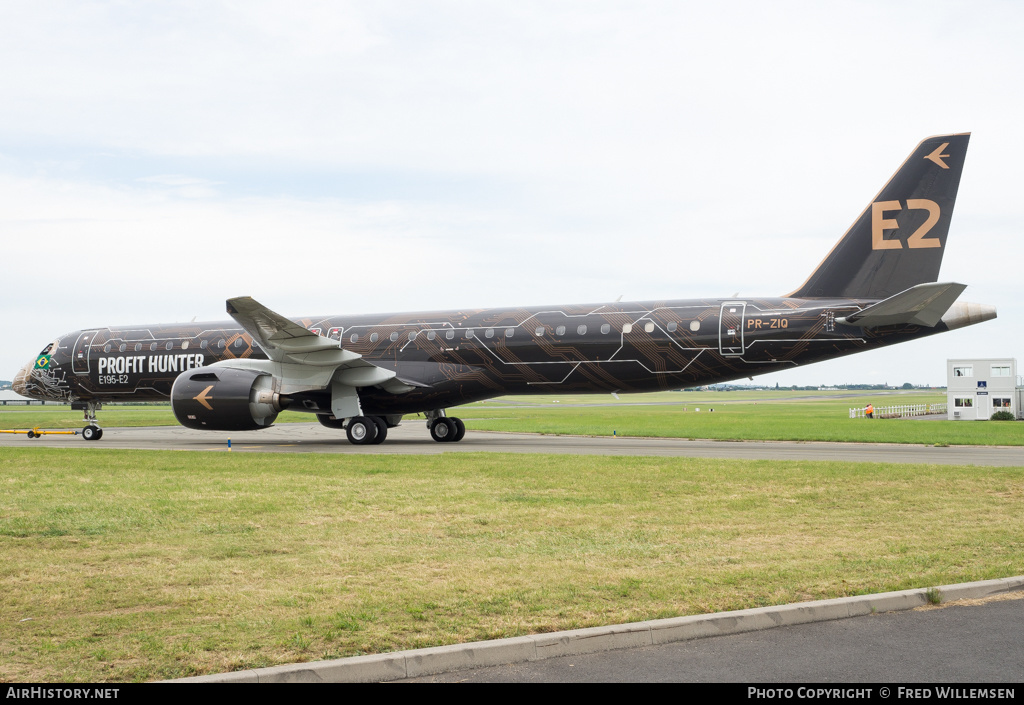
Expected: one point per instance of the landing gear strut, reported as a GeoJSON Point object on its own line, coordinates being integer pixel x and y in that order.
{"type": "Point", "coordinates": [445, 429]}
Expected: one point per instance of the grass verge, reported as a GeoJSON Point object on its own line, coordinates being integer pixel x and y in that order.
{"type": "Point", "coordinates": [142, 565]}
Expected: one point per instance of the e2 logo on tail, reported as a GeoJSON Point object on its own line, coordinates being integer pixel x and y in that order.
{"type": "Point", "coordinates": [879, 224]}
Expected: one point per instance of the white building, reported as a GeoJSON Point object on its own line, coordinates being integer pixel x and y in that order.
{"type": "Point", "coordinates": [976, 389]}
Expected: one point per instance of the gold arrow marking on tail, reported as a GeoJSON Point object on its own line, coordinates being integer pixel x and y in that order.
{"type": "Point", "coordinates": [203, 399]}
{"type": "Point", "coordinates": [937, 156]}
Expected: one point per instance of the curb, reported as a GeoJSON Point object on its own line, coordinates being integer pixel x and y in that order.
{"type": "Point", "coordinates": [441, 659]}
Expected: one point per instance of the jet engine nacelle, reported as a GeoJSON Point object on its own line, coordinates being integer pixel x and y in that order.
{"type": "Point", "coordinates": [225, 399]}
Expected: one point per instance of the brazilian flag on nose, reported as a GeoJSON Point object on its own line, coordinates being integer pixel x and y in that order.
{"type": "Point", "coordinates": [42, 362]}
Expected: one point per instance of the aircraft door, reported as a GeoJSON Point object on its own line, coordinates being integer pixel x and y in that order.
{"type": "Point", "coordinates": [730, 327]}
{"type": "Point", "coordinates": [80, 356]}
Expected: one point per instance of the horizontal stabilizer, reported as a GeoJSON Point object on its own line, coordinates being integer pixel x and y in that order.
{"type": "Point", "coordinates": [922, 305]}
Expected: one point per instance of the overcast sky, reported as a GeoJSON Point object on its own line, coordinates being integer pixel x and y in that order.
{"type": "Point", "coordinates": [333, 157]}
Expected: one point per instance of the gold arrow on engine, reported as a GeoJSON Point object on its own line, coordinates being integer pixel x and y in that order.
{"type": "Point", "coordinates": [203, 399]}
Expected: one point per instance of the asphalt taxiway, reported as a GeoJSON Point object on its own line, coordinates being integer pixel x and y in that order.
{"type": "Point", "coordinates": [413, 438]}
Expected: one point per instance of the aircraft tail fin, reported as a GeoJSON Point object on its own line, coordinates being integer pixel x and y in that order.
{"type": "Point", "coordinates": [897, 241]}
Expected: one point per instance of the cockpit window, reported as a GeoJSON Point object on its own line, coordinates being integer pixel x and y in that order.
{"type": "Point", "coordinates": [47, 349]}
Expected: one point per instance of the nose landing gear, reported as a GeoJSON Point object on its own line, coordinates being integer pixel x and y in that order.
{"type": "Point", "coordinates": [92, 430]}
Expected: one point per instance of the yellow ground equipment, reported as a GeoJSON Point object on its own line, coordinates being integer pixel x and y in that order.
{"type": "Point", "coordinates": [37, 432]}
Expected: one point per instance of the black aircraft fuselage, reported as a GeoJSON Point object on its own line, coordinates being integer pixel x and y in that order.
{"type": "Point", "coordinates": [362, 373]}
{"type": "Point", "coordinates": [465, 356]}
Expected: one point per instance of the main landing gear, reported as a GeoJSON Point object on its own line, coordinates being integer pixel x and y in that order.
{"type": "Point", "coordinates": [445, 429]}
{"type": "Point", "coordinates": [372, 430]}
{"type": "Point", "coordinates": [92, 430]}
{"type": "Point", "coordinates": [361, 430]}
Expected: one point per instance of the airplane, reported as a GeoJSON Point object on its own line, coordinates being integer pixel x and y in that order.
{"type": "Point", "coordinates": [364, 373]}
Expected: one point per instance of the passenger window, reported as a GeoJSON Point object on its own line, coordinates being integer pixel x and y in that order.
{"type": "Point", "coordinates": [582, 330]}
{"type": "Point", "coordinates": [649, 327]}
{"type": "Point", "coordinates": [627, 327]}
{"type": "Point", "coordinates": [122, 348]}
{"type": "Point", "coordinates": [354, 338]}
{"type": "Point", "coordinates": [672, 327]}
{"type": "Point", "coordinates": [431, 335]}
{"type": "Point", "coordinates": [394, 336]}
{"type": "Point", "coordinates": [373, 337]}
{"type": "Point", "coordinates": [449, 334]}
{"type": "Point", "coordinates": [184, 345]}
{"type": "Point", "coordinates": [560, 330]}
{"type": "Point", "coordinates": [170, 344]}
{"type": "Point", "coordinates": [539, 331]}
{"type": "Point", "coordinates": [138, 346]}
{"type": "Point", "coordinates": [152, 347]}
{"type": "Point", "coordinates": [469, 333]}
{"type": "Point", "coordinates": [606, 329]}
{"type": "Point", "coordinates": [509, 332]}
{"type": "Point", "coordinates": [412, 335]}
{"type": "Point", "coordinates": [695, 326]}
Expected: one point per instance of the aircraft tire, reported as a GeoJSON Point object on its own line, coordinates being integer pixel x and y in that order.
{"type": "Point", "coordinates": [443, 430]}
{"type": "Point", "coordinates": [92, 433]}
{"type": "Point", "coordinates": [460, 430]}
{"type": "Point", "coordinates": [382, 430]}
{"type": "Point", "coordinates": [361, 430]}
{"type": "Point", "coordinates": [31, 434]}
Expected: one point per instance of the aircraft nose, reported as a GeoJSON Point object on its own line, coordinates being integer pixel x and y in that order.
{"type": "Point", "coordinates": [20, 384]}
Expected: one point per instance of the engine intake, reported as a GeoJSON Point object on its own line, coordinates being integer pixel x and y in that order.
{"type": "Point", "coordinates": [225, 399]}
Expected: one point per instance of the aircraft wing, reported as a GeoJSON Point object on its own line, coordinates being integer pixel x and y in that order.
{"type": "Point", "coordinates": [285, 341]}
{"type": "Point", "coordinates": [923, 305]}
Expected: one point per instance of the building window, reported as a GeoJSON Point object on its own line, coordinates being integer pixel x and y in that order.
{"type": "Point", "coordinates": [1000, 403]}
{"type": "Point", "coordinates": [963, 402]}
{"type": "Point", "coordinates": [1000, 370]}
{"type": "Point", "coordinates": [963, 371]}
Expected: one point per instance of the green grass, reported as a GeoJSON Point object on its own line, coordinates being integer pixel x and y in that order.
{"type": "Point", "coordinates": [142, 565]}
{"type": "Point", "coordinates": [769, 415]}
{"type": "Point", "coordinates": [737, 415]}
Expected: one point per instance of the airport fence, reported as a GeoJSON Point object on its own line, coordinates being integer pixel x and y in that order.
{"type": "Point", "coordinates": [901, 411]}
